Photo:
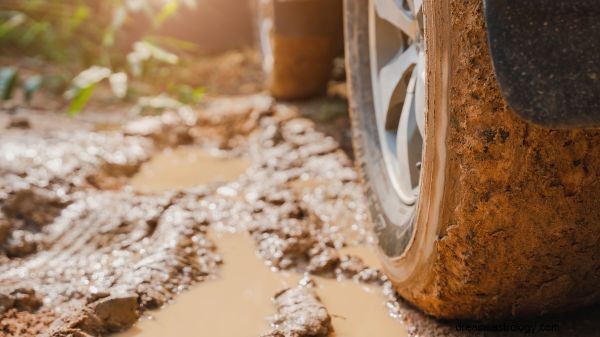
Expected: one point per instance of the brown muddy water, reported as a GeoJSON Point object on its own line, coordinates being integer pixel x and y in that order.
{"type": "Point", "coordinates": [238, 303]}
{"type": "Point", "coordinates": [185, 167]}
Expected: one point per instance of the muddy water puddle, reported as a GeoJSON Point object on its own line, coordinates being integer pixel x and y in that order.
{"type": "Point", "coordinates": [184, 167]}
{"type": "Point", "coordinates": [239, 303]}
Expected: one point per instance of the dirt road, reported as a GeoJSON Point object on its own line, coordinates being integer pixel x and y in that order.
{"type": "Point", "coordinates": [242, 212]}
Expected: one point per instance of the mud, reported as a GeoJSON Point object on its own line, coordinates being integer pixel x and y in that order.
{"type": "Point", "coordinates": [90, 236]}
{"type": "Point", "coordinates": [300, 313]}
{"type": "Point", "coordinates": [520, 219]}
{"type": "Point", "coordinates": [186, 167]}
{"type": "Point", "coordinates": [239, 302]}
{"type": "Point", "coordinates": [94, 254]}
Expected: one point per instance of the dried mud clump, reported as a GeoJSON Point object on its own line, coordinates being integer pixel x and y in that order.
{"type": "Point", "coordinates": [21, 299]}
{"type": "Point", "coordinates": [111, 314]}
{"type": "Point", "coordinates": [300, 313]}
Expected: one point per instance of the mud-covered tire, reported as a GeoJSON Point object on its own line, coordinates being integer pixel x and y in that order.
{"type": "Point", "coordinates": [507, 221]}
{"type": "Point", "coordinates": [297, 58]}
{"type": "Point", "coordinates": [301, 66]}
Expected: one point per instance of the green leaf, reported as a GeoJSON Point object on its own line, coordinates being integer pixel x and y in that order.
{"type": "Point", "coordinates": [199, 92]}
{"type": "Point", "coordinates": [166, 11]}
{"type": "Point", "coordinates": [16, 19]}
{"type": "Point", "coordinates": [34, 31]}
{"type": "Point", "coordinates": [81, 13]}
{"type": "Point", "coordinates": [31, 85]}
{"type": "Point", "coordinates": [8, 79]}
{"type": "Point", "coordinates": [188, 95]}
{"type": "Point", "coordinates": [80, 99]}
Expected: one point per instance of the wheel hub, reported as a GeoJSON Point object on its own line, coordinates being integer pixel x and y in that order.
{"type": "Point", "coordinates": [398, 79]}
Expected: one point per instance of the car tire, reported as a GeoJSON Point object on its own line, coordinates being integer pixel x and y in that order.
{"type": "Point", "coordinates": [506, 221]}
{"type": "Point", "coordinates": [297, 59]}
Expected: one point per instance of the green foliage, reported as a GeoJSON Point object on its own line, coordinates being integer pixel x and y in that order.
{"type": "Point", "coordinates": [83, 87]}
{"type": "Point", "coordinates": [91, 34]}
{"type": "Point", "coordinates": [10, 83]}
{"type": "Point", "coordinates": [8, 79]}
{"type": "Point", "coordinates": [188, 95]}
{"type": "Point", "coordinates": [80, 99]}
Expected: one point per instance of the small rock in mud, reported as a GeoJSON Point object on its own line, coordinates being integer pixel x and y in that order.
{"type": "Point", "coordinates": [110, 314]}
{"type": "Point", "coordinates": [300, 313]}
{"type": "Point", "coordinates": [21, 299]}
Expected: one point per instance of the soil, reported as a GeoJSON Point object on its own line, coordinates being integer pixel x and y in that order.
{"type": "Point", "coordinates": [522, 200]}
{"type": "Point", "coordinates": [300, 313]}
{"type": "Point", "coordinates": [83, 253]}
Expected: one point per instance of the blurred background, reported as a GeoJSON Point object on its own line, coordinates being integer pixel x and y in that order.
{"type": "Point", "coordinates": [153, 53]}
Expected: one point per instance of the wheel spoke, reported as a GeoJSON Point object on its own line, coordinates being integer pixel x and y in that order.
{"type": "Point", "coordinates": [415, 6]}
{"type": "Point", "coordinates": [389, 11]}
{"type": "Point", "coordinates": [408, 140]}
{"type": "Point", "coordinates": [420, 95]}
{"type": "Point", "coordinates": [398, 75]}
{"type": "Point", "coordinates": [391, 74]}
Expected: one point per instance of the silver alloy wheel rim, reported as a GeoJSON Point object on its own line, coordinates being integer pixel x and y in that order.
{"type": "Point", "coordinates": [397, 54]}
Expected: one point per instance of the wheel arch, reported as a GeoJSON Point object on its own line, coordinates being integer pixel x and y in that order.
{"type": "Point", "coordinates": [545, 59]}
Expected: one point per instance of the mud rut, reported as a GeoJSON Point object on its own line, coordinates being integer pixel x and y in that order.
{"type": "Point", "coordinates": [82, 254]}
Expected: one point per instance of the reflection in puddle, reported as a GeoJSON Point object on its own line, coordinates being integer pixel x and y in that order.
{"type": "Point", "coordinates": [238, 303]}
{"type": "Point", "coordinates": [186, 167]}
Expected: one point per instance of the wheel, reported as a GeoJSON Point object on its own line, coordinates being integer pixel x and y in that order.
{"type": "Point", "coordinates": [478, 214]}
{"type": "Point", "coordinates": [297, 44]}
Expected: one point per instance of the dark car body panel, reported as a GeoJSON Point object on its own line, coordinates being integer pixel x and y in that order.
{"type": "Point", "coordinates": [546, 56]}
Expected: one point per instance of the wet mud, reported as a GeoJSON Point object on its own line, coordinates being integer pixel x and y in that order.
{"type": "Point", "coordinates": [88, 245]}
{"type": "Point", "coordinates": [300, 313]}
{"type": "Point", "coordinates": [186, 167]}
{"type": "Point", "coordinates": [249, 299]}
{"type": "Point", "coordinates": [94, 245]}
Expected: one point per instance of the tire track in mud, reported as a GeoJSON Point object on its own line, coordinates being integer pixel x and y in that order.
{"type": "Point", "coordinates": [108, 247]}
